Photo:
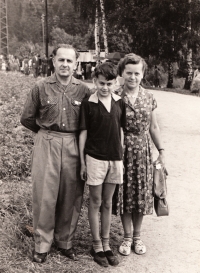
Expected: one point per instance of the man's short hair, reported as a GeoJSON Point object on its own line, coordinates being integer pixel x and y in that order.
{"type": "Point", "coordinates": [54, 52]}
{"type": "Point", "coordinates": [130, 58]}
{"type": "Point", "coordinates": [108, 70]}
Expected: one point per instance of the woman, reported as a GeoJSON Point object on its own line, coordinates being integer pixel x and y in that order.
{"type": "Point", "coordinates": [134, 199]}
{"type": "Point", "coordinates": [195, 86]}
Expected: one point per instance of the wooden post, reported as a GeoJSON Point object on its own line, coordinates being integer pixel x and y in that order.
{"type": "Point", "coordinates": [46, 28]}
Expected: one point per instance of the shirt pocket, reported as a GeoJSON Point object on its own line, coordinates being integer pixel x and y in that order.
{"type": "Point", "coordinates": [75, 111]}
{"type": "Point", "coordinates": [49, 109]}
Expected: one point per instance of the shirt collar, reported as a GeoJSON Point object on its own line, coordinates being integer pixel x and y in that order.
{"type": "Point", "coordinates": [94, 98]}
{"type": "Point", "coordinates": [53, 79]}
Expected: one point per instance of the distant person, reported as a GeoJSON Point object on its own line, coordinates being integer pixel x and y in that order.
{"type": "Point", "coordinates": [16, 64]}
{"type": "Point", "coordinates": [88, 71]}
{"type": "Point", "coordinates": [157, 75]}
{"type": "Point", "coordinates": [44, 65]}
{"type": "Point", "coordinates": [35, 65]}
{"type": "Point", "coordinates": [26, 66]}
{"type": "Point", "coordinates": [52, 111]}
{"type": "Point", "coordinates": [50, 68]}
{"type": "Point", "coordinates": [195, 86]}
{"type": "Point", "coordinates": [101, 150]}
{"type": "Point", "coordinates": [40, 65]}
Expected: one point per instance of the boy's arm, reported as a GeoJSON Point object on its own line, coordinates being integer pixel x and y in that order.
{"type": "Point", "coordinates": [82, 140]}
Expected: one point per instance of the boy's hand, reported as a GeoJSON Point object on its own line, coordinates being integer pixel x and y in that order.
{"type": "Point", "coordinates": [83, 172]}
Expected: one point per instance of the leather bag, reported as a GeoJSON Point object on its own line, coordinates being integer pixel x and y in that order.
{"type": "Point", "coordinates": [160, 190]}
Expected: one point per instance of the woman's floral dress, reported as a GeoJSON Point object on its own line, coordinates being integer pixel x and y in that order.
{"type": "Point", "coordinates": [136, 191]}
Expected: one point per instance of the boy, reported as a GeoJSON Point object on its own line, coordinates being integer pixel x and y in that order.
{"type": "Point", "coordinates": [101, 149]}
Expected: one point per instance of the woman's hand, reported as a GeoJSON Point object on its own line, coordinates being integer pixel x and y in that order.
{"type": "Point", "coordinates": [161, 160]}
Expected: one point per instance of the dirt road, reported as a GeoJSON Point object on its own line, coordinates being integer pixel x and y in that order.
{"type": "Point", "coordinates": [173, 242]}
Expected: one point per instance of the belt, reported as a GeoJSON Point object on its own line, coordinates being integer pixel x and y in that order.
{"type": "Point", "coordinates": [58, 134]}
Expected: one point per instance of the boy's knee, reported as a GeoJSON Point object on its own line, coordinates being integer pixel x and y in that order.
{"type": "Point", "coordinates": [95, 201]}
{"type": "Point", "coordinates": [107, 204]}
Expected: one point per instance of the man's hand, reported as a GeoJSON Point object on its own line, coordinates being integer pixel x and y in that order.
{"type": "Point", "coordinates": [83, 172]}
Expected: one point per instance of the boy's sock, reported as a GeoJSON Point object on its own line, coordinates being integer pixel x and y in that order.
{"type": "Point", "coordinates": [97, 246]}
{"type": "Point", "coordinates": [105, 243]}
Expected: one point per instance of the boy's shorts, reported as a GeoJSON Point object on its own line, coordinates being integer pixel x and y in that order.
{"type": "Point", "coordinates": [102, 171]}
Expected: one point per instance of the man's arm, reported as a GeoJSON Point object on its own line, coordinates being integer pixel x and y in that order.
{"type": "Point", "coordinates": [30, 111]}
{"type": "Point", "coordinates": [82, 140]}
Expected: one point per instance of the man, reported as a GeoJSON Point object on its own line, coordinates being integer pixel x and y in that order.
{"type": "Point", "coordinates": [35, 66]}
{"type": "Point", "coordinates": [50, 69]}
{"type": "Point", "coordinates": [52, 111]}
{"type": "Point", "coordinates": [157, 75]}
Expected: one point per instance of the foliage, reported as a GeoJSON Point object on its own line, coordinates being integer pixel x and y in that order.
{"type": "Point", "coordinates": [16, 141]}
{"type": "Point", "coordinates": [60, 36]}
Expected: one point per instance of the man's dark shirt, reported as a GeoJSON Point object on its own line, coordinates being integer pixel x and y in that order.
{"type": "Point", "coordinates": [53, 106]}
{"type": "Point", "coordinates": [103, 128]}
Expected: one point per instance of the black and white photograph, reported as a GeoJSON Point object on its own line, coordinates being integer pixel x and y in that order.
{"type": "Point", "coordinates": [99, 136]}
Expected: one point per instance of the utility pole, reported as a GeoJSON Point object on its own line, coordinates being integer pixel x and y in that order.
{"type": "Point", "coordinates": [3, 28]}
{"type": "Point", "coordinates": [42, 19]}
{"type": "Point", "coordinates": [46, 28]}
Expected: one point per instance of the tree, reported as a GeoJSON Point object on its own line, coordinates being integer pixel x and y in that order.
{"type": "Point", "coordinates": [59, 36]}
{"type": "Point", "coordinates": [96, 32]}
{"type": "Point", "coordinates": [104, 27]}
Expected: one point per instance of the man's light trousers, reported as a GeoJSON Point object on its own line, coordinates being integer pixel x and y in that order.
{"type": "Point", "coordinates": [57, 189]}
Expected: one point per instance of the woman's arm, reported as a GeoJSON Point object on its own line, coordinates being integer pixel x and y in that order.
{"type": "Point", "coordinates": [82, 140]}
{"type": "Point", "coordinates": [156, 136]}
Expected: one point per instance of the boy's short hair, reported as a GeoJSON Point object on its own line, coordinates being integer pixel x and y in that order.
{"type": "Point", "coordinates": [108, 70]}
{"type": "Point", "coordinates": [130, 58]}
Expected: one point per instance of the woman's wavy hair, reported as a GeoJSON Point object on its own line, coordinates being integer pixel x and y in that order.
{"type": "Point", "coordinates": [130, 58]}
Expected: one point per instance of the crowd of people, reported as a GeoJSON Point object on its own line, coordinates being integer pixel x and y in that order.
{"type": "Point", "coordinates": [101, 137]}
{"type": "Point", "coordinates": [29, 65]}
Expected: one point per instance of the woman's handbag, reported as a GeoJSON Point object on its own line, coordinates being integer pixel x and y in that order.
{"type": "Point", "coordinates": [160, 190]}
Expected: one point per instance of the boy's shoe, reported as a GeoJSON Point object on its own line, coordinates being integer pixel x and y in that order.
{"type": "Point", "coordinates": [125, 248]}
{"type": "Point", "coordinates": [112, 259]}
{"type": "Point", "coordinates": [39, 257]}
{"type": "Point", "coordinates": [138, 246]}
{"type": "Point", "coordinates": [99, 257]}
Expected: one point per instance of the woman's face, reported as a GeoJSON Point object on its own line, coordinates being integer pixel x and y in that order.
{"type": "Point", "coordinates": [133, 75]}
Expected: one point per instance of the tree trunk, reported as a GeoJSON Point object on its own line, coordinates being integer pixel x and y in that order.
{"type": "Point", "coordinates": [96, 33]}
{"type": "Point", "coordinates": [104, 27]}
{"type": "Point", "coordinates": [170, 75]}
{"type": "Point", "coordinates": [188, 79]}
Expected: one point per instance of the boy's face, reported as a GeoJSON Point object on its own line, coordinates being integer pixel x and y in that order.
{"type": "Point", "coordinates": [104, 87]}
{"type": "Point", "coordinates": [133, 74]}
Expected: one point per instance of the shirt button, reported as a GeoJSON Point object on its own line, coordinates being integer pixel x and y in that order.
{"type": "Point", "coordinates": [63, 124]}
{"type": "Point", "coordinates": [64, 109]}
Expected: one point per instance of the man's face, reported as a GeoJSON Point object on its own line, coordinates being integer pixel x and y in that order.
{"type": "Point", "coordinates": [104, 87]}
{"type": "Point", "coordinates": [64, 62]}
